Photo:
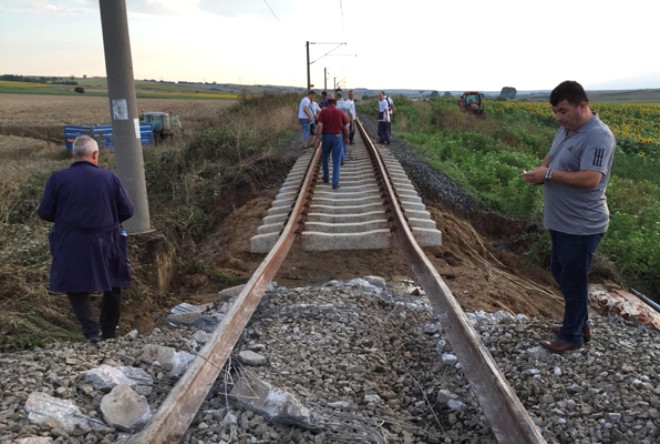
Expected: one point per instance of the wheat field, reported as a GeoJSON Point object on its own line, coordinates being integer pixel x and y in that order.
{"type": "Point", "coordinates": [32, 129]}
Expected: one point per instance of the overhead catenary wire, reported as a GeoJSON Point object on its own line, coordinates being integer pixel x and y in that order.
{"type": "Point", "coordinates": [272, 12]}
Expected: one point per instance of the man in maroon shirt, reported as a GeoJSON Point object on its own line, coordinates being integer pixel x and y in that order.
{"type": "Point", "coordinates": [332, 125]}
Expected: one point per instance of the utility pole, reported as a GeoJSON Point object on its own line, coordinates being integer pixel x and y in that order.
{"type": "Point", "coordinates": [309, 80]}
{"type": "Point", "coordinates": [307, 43]}
{"type": "Point", "coordinates": [325, 79]}
{"type": "Point", "coordinates": [123, 111]}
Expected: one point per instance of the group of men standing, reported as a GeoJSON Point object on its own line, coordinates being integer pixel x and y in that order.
{"type": "Point", "coordinates": [385, 116]}
{"type": "Point", "coordinates": [331, 125]}
{"type": "Point", "coordinates": [326, 129]}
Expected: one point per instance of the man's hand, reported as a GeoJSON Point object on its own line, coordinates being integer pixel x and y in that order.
{"type": "Point", "coordinates": [535, 176]}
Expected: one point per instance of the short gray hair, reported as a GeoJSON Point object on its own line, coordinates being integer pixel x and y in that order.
{"type": "Point", "coordinates": [84, 146]}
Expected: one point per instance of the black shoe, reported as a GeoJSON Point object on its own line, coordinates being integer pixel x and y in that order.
{"type": "Point", "coordinates": [342, 163]}
{"type": "Point", "coordinates": [335, 186]}
{"type": "Point", "coordinates": [325, 180]}
{"type": "Point", "coordinates": [95, 338]}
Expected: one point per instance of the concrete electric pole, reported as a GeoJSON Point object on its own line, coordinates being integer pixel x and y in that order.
{"type": "Point", "coordinates": [123, 111]}
{"type": "Point", "coordinates": [309, 63]}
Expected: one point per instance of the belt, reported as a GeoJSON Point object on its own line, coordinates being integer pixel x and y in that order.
{"type": "Point", "coordinates": [332, 134]}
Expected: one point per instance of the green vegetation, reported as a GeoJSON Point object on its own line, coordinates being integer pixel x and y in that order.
{"type": "Point", "coordinates": [487, 158]}
{"type": "Point", "coordinates": [97, 86]}
{"type": "Point", "coordinates": [193, 186]}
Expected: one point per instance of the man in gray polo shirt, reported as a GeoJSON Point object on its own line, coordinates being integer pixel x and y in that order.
{"type": "Point", "coordinates": [574, 176]}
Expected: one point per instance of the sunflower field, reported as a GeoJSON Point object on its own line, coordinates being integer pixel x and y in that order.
{"type": "Point", "coordinates": [488, 156]}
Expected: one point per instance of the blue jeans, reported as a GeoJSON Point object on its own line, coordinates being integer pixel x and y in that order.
{"type": "Point", "coordinates": [305, 125]}
{"type": "Point", "coordinates": [331, 143]}
{"type": "Point", "coordinates": [344, 147]}
{"type": "Point", "coordinates": [569, 263]}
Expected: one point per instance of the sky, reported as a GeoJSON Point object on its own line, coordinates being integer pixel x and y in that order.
{"type": "Point", "coordinates": [425, 45]}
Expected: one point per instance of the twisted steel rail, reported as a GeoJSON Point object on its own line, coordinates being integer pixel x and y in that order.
{"type": "Point", "coordinates": [507, 416]}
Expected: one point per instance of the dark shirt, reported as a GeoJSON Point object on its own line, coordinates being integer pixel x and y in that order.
{"type": "Point", "coordinates": [87, 204]}
{"type": "Point", "coordinates": [332, 120]}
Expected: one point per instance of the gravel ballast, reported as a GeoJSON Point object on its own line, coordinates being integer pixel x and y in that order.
{"type": "Point", "coordinates": [368, 362]}
{"type": "Point", "coordinates": [371, 365]}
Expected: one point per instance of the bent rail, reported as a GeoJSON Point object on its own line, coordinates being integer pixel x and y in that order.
{"type": "Point", "coordinates": [505, 413]}
{"type": "Point", "coordinates": [178, 410]}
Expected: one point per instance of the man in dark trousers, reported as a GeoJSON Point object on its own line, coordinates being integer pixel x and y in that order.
{"type": "Point", "coordinates": [89, 249]}
{"type": "Point", "coordinates": [574, 176]}
{"type": "Point", "coordinates": [332, 132]}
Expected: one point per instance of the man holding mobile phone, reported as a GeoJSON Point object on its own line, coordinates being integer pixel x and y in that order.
{"type": "Point", "coordinates": [574, 176]}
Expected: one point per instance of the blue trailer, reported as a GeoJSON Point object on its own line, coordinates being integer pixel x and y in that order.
{"type": "Point", "coordinates": [103, 134]}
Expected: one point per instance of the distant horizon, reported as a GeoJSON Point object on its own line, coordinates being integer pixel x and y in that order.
{"type": "Point", "coordinates": [519, 91]}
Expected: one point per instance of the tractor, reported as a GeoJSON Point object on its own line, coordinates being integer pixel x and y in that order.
{"type": "Point", "coordinates": [471, 101]}
{"type": "Point", "coordinates": [166, 125]}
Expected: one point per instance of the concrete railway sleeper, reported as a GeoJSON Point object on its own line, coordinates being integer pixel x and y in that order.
{"type": "Point", "coordinates": [376, 207]}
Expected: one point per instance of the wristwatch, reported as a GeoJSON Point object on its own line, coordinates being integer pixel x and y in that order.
{"type": "Point", "coordinates": [548, 175]}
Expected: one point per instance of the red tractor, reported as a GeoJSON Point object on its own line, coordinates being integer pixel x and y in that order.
{"type": "Point", "coordinates": [471, 102]}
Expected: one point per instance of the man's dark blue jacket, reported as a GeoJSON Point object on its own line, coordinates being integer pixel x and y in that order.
{"type": "Point", "coordinates": [87, 204]}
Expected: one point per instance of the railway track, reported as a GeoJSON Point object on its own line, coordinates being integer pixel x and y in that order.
{"type": "Point", "coordinates": [354, 217]}
{"type": "Point", "coordinates": [376, 207]}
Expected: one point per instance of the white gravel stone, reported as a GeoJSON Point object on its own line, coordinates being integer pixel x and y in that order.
{"type": "Point", "coordinates": [359, 345]}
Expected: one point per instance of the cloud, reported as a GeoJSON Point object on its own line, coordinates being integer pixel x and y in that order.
{"type": "Point", "coordinates": [219, 8]}
{"type": "Point", "coordinates": [49, 6]}
{"type": "Point", "coordinates": [648, 80]}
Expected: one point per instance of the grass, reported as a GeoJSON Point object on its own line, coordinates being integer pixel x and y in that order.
{"type": "Point", "coordinates": [98, 87]}
{"type": "Point", "coordinates": [193, 185]}
{"type": "Point", "coordinates": [487, 157]}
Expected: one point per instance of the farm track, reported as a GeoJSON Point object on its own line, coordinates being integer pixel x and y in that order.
{"type": "Point", "coordinates": [509, 420]}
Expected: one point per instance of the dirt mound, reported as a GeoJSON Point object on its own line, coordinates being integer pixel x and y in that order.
{"type": "Point", "coordinates": [478, 258]}
{"type": "Point", "coordinates": [481, 276]}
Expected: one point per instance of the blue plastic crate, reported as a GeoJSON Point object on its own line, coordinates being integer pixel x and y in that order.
{"type": "Point", "coordinates": [103, 135]}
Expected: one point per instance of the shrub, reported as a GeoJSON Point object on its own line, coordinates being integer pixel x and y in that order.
{"type": "Point", "coordinates": [488, 156]}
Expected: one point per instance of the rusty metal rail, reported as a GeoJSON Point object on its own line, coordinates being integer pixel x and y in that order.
{"type": "Point", "coordinates": [505, 413]}
{"type": "Point", "coordinates": [178, 410]}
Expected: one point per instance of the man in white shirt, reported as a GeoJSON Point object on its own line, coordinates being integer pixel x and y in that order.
{"type": "Point", "coordinates": [390, 104]}
{"type": "Point", "coordinates": [383, 119]}
{"type": "Point", "coordinates": [306, 117]}
{"type": "Point", "coordinates": [351, 102]}
{"type": "Point", "coordinates": [316, 109]}
{"type": "Point", "coordinates": [345, 107]}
